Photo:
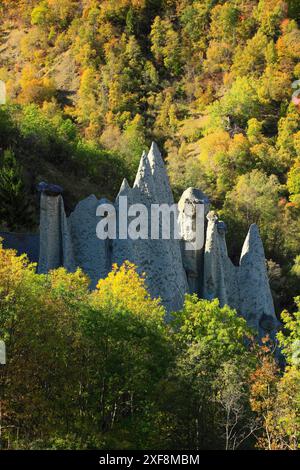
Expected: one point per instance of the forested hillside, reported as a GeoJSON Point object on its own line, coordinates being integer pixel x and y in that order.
{"type": "Point", "coordinates": [91, 83]}
{"type": "Point", "coordinates": [103, 370]}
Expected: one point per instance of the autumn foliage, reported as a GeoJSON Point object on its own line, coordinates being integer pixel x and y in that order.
{"type": "Point", "coordinates": [103, 369]}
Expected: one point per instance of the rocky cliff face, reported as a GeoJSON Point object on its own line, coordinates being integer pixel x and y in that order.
{"type": "Point", "coordinates": [174, 265]}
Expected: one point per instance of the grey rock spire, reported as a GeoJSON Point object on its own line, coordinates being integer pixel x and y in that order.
{"type": "Point", "coordinates": [124, 188]}
{"type": "Point", "coordinates": [246, 287]}
{"type": "Point", "coordinates": [144, 176]}
{"type": "Point", "coordinates": [220, 275]}
{"type": "Point", "coordinates": [55, 241]}
{"type": "Point", "coordinates": [192, 222]}
{"type": "Point", "coordinates": [160, 258]}
{"type": "Point", "coordinates": [256, 303]}
{"type": "Point", "coordinates": [152, 178]}
{"type": "Point", "coordinates": [123, 248]}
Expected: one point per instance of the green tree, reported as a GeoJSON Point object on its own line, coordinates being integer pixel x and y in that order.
{"type": "Point", "coordinates": [14, 210]}
{"type": "Point", "coordinates": [238, 104]}
{"type": "Point", "coordinates": [293, 183]}
{"type": "Point", "coordinates": [290, 342]}
{"type": "Point", "coordinates": [276, 398]}
{"type": "Point", "coordinates": [212, 344]}
{"type": "Point", "coordinates": [40, 15]}
{"type": "Point", "coordinates": [166, 45]}
{"type": "Point", "coordinates": [254, 200]}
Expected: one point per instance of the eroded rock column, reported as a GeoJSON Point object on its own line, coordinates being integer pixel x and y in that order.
{"type": "Point", "coordinates": [256, 302]}
{"type": "Point", "coordinates": [193, 207]}
{"type": "Point", "coordinates": [220, 274]}
{"type": "Point", "coordinates": [55, 241]}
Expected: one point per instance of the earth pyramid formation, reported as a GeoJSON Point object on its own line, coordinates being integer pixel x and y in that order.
{"type": "Point", "coordinates": [175, 265]}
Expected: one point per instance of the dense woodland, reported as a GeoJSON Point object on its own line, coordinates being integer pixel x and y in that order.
{"type": "Point", "coordinates": [104, 370]}
{"type": "Point", "coordinates": [89, 85]}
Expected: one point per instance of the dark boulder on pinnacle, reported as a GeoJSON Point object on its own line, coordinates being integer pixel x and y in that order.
{"type": "Point", "coordinates": [49, 189]}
